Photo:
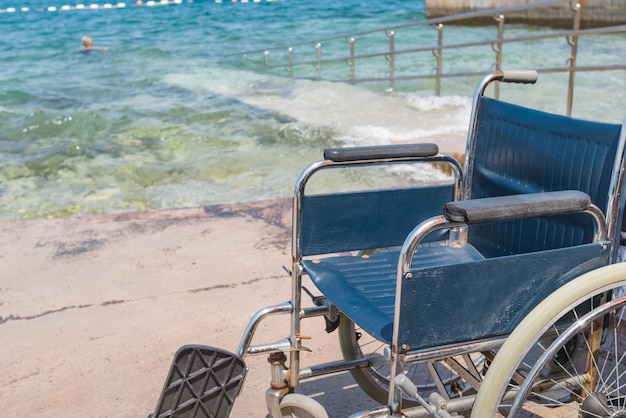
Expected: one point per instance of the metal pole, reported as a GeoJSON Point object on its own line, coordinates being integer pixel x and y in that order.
{"type": "Point", "coordinates": [573, 42]}
{"type": "Point", "coordinates": [290, 67]}
{"type": "Point", "coordinates": [437, 53]}
{"type": "Point", "coordinates": [498, 50]}
{"type": "Point", "coordinates": [351, 61]}
{"type": "Point", "coordinates": [318, 46]}
{"type": "Point", "coordinates": [391, 58]}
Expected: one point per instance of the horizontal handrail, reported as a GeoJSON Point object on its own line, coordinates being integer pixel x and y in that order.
{"type": "Point", "coordinates": [381, 54]}
{"type": "Point", "coordinates": [561, 34]}
{"type": "Point", "coordinates": [481, 73]}
{"type": "Point", "coordinates": [427, 22]}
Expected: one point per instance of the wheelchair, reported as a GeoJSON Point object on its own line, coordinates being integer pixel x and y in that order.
{"type": "Point", "coordinates": [496, 293]}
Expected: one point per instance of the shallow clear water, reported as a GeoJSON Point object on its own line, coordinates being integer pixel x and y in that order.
{"type": "Point", "coordinates": [163, 120]}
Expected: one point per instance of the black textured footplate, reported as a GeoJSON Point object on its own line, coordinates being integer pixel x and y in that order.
{"type": "Point", "coordinates": [202, 382]}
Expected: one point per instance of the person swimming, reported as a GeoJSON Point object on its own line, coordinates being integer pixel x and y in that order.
{"type": "Point", "coordinates": [89, 46]}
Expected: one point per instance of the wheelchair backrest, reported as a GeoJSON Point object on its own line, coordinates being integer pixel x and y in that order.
{"type": "Point", "coordinates": [520, 150]}
{"type": "Point", "coordinates": [334, 223]}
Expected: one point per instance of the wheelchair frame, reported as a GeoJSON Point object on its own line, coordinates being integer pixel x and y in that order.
{"type": "Point", "coordinates": [204, 381]}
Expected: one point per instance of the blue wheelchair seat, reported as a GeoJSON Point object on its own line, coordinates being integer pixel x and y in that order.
{"type": "Point", "coordinates": [364, 286]}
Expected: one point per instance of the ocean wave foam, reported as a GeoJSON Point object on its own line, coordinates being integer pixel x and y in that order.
{"type": "Point", "coordinates": [428, 103]}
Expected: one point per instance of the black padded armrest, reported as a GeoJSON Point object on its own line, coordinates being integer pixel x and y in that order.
{"type": "Point", "coordinates": [507, 208]}
{"type": "Point", "coordinates": [381, 152]}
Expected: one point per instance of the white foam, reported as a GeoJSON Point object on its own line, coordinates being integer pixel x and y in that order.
{"type": "Point", "coordinates": [370, 118]}
{"type": "Point", "coordinates": [427, 103]}
{"type": "Point", "coordinates": [363, 116]}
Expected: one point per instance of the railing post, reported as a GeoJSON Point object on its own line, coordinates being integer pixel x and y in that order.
{"type": "Point", "coordinates": [498, 50]}
{"type": "Point", "coordinates": [437, 53]}
{"type": "Point", "coordinates": [351, 61]}
{"type": "Point", "coordinates": [318, 66]}
{"type": "Point", "coordinates": [391, 58]}
{"type": "Point", "coordinates": [290, 67]}
{"type": "Point", "coordinates": [573, 43]}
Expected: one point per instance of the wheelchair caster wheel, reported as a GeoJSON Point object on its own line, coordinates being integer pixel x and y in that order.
{"type": "Point", "coordinates": [295, 405]}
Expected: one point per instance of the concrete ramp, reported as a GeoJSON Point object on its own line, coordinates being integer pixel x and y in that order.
{"type": "Point", "coordinates": [92, 309]}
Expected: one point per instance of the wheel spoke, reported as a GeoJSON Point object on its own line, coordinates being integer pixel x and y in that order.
{"type": "Point", "coordinates": [356, 344]}
{"type": "Point", "coordinates": [566, 355]}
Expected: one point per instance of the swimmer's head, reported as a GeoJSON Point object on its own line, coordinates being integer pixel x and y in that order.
{"type": "Point", "coordinates": [87, 42]}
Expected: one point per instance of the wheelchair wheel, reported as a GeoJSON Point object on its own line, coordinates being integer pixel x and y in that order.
{"type": "Point", "coordinates": [356, 343]}
{"type": "Point", "coordinates": [546, 368]}
{"type": "Point", "coordinates": [294, 405]}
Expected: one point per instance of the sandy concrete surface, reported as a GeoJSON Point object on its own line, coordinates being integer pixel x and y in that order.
{"type": "Point", "coordinates": [92, 309]}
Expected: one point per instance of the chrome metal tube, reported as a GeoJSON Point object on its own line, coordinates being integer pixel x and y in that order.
{"type": "Point", "coordinates": [282, 345]}
{"type": "Point", "coordinates": [391, 57]}
{"type": "Point", "coordinates": [616, 197]}
{"type": "Point", "coordinates": [333, 367]}
{"type": "Point", "coordinates": [599, 224]}
{"type": "Point", "coordinates": [438, 54]}
{"type": "Point", "coordinates": [498, 49]}
{"type": "Point", "coordinates": [254, 322]}
{"type": "Point", "coordinates": [318, 65]}
{"type": "Point", "coordinates": [351, 62]}
{"type": "Point", "coordinates": [572, 60]}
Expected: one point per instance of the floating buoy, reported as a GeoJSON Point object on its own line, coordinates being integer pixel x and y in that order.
{"type": "Point", "coordinates": [120, 5]}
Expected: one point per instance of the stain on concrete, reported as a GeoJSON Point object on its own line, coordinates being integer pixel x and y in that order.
{"type": "Point", "coordinates": [276, 213]}
{"type": "Point", "coordinates": [73, 249]}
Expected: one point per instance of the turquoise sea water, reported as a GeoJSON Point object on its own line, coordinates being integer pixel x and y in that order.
{"type": "Point", "coordinates": [163, 120]}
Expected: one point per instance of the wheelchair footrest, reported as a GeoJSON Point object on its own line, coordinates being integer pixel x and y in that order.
{"type": "Point", "coordinates": [202, 382]}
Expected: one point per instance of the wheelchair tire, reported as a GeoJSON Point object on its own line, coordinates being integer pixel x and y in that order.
{"type": "Point", "coordinates": [523, 375]}
{"type": "Point", "coordinates": [357, 344]}
{"type": "Point", "coordinates": [294, 405]}
{"type": "Point", "coordinates": [368, 379]}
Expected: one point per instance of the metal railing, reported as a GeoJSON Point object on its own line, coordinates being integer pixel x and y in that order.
{"type": "Point", "coordinates": [331, 54]}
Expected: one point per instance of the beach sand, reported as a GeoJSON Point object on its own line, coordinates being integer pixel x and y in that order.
{"type": "Point", "coordinates": [92, 309]}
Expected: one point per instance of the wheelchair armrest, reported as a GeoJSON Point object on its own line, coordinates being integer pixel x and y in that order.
{"type": "Point", "coordinates": [381, 152]}
{"type": "Point", "coordinates": [507, 208]}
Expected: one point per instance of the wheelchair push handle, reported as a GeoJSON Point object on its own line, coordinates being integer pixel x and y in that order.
{"type": "Point", "coordinates": [519, 76]}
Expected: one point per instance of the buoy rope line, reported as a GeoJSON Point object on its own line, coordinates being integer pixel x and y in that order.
{"type": "Point", "coordinates": [140, 3]}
